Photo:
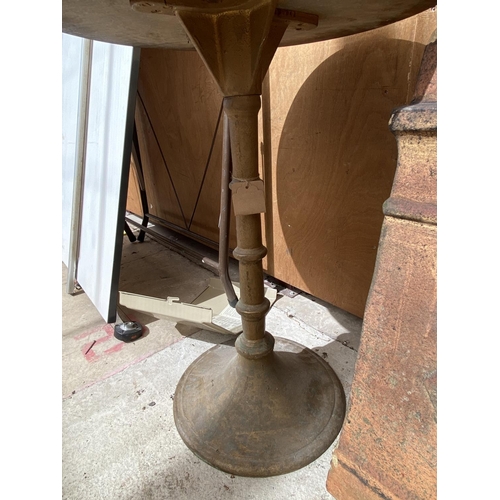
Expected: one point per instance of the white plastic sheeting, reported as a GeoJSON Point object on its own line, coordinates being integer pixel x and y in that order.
{"type": "Point", "coordinates": [72, 51]}
{"type": "Point", "coordinates": [113, 88]}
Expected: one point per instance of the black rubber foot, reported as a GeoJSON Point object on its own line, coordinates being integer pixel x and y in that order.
{"type": "Point", "coordinates": [128, 332]}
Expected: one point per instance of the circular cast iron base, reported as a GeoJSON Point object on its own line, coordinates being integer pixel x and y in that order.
{"type": "Point", "coordinates": [260, 417]}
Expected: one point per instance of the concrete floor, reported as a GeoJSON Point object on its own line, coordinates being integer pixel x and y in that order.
{"type": "Point", "coordinates": [119, 438]}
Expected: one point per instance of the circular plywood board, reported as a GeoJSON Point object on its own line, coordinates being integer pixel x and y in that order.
{"type": "Point", "coordinates": [114, 21]}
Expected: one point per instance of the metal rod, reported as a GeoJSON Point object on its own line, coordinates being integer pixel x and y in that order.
{"type": "Point", "coordinates": [175, 244]}
{"type": "Point", "coordinates": [179, 229]}
{"type": "Point", "coordinates": [206, 166]}
{"type": "Point", "coordinates": [136, 155]}
{"type": "Point", "coordinates": [81, 145]}
{"type": "Point", "coordinates": [164, 160]}
{"type": "Point", "coordinates": [225, 212]}
{"type": "Point", "coordinates": [130, 234]}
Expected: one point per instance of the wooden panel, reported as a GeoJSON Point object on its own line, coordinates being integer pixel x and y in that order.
{"type": "Point", "coordinates": [328, 157]}
{"type": "Point", "coordinates": [134, 204]}
{"type": "Point", "coordinates": [331, 158]}
{"type": "Point", "coordinates": [177, 112]}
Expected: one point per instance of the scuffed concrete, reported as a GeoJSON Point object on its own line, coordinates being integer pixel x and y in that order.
{"type": "Point", "coordinates": [119, 437]}
{"type": "Point", "coordinates": [90, 351]}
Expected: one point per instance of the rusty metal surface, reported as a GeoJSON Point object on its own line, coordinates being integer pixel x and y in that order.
{"type": "Point", "coordinates": [387, 449]}
{"type": "Point", "coordinates": [262, 407]}
{"type": "Point", "coordinates": [114, 21]}
{"type": "Point", "coordinates": [259, 417]}
{"type": "Point", "coordinates": [236, 46]}
{"type": "Point", "coordinates": [224, 220]}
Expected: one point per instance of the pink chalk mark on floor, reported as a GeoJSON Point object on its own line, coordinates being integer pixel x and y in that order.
{"type": "Point", "coordinates": [115, 348]}
{"type": "Point", "coordinates": [125, 366]}
{"type": "Point", "coordinates": [87, 349]}
{"type": "Point", "coordinates": [108, 328]}
{"type": "Point", "coordinates": [89, 354]}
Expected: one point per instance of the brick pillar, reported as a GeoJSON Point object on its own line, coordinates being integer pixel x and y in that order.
{"type": "Point", "coordinates": [387, 448]}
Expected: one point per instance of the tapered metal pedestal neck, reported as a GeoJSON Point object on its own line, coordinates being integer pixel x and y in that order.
{"type": "Point", "coordinates": [259, 417]}
{"type": "Point", "coordinates": [254, 409]}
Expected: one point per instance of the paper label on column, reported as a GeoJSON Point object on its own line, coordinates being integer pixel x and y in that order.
{"type": "Point", "coordinates": [248, 197]}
